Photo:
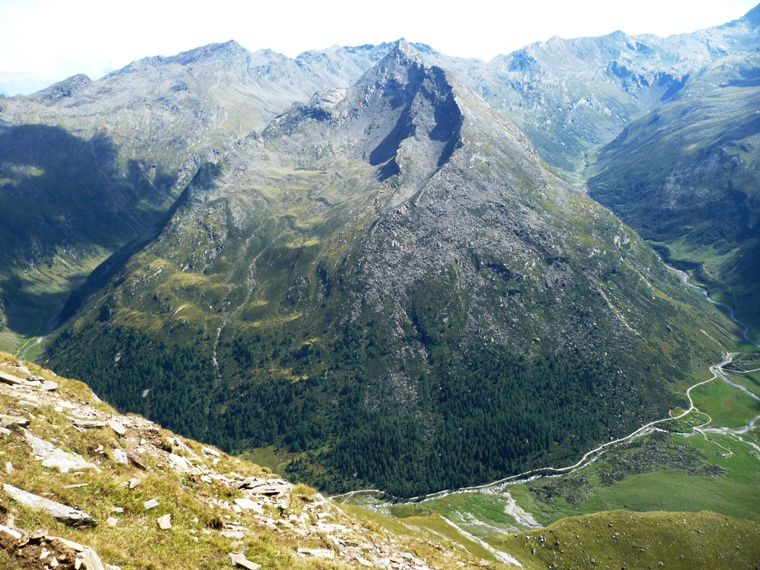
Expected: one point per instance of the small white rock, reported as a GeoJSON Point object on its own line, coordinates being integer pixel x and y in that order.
{"type": "Point", "coordinates": [323, 553]}
{"type": "Point", "coordinates": [120, 456]}
{"type": "Point", "coordinates": [211, 452]}
{"type": "Point", "coordinates": [239, 559]}
{"type": "Point", "coordinates": [152, 504]}
{"type": "Point", "coordinates": [165, 522]}
{"type": "Point", "coordinates": [118, 427]}
{"type": "Point", "coordinates": [249, 505]}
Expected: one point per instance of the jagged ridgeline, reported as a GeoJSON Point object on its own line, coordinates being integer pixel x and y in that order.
{"type": "Point", "coordinates": [388, 287]}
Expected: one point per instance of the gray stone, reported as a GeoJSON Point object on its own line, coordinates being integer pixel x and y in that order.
{"type": "Point", "coordinates": [90, 559]}
{"type": "Point", "coordinates": [118, 428]}
{"type": "Point", "coordinates": [211, 452]}
{"type": "Point", "coordinates": [12, 380]}
{"type": "Point", "coordinates": [68, 515]}
{"type": "Point", "coordinates": [12, 532]}
{"type": "Point", "coordinates": [269, 487]}
{"type": "Point", "coordinates": [54, 457]}
{"type": "Point", "coordinates": [136, 461]}
{"type": "Point", "coordinates": [87, 424]}
{"type": "Point", "coordinates": [7, 421]}
{"type": "Point", "coordinates": [239, 559]}
{"type": "Point", "coordinates": [179, 463]}
{"type": "Point", "coordinates": [151, 504]}
{"type": "Point", "coordinates": [165, 522]}
{"type": "Point", "coordinates": [323, 553]}
{"type": "Point", "coordinates": [120, 456]}
{"type": "Point", "coordinates": [249, 505]}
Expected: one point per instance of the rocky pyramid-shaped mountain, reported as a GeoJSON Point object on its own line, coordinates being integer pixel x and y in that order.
{"type": "Point", "coordinates": [387, 287]}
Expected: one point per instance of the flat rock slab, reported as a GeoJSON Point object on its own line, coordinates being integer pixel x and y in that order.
{"type": "Point", "coordinates": [55, 457]}
{"type": "Point", "coordinates": [87, 424]}
{"type": "Point", "coordinates": [179, 463]}
{"type": "Point", "coordinates": [323, 553]}
{"type": "Point", "coordinates": [7, 421]}
{"type": "Point", "coordinates": [12, 380]}
{"type": "Point", "coordinates": [249, 505]}
{"type": "Point", "coordinates": [68, 515]}
{"type": "Point", "coordinates": [34, 382]}
{"type": "Point", "coordinates": [268, 487]}
{"type": "Point", "coordinates": [211, 452]}
{"type": "Point", "coordinates": [240, 560]}
{"type": "Point", "coordinates": [136, 461]}
{"type": "Point", "coordinates": [152, 504]}
{"type": "Point", "coordinates": [165, 522]}
{"type": "Point", "coordinates": [118, 428]}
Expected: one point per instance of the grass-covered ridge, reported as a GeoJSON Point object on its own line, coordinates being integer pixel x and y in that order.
{"type": "Point", "coordinates": [620, 539]}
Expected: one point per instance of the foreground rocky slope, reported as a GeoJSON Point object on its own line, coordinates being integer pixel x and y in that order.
{"type": "Point", "coordinates": [388, 286]}
{"type": "Point", "coordinates": [85, 487]}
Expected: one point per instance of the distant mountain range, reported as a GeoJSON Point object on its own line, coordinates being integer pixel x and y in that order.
{"type": "Point", "coordinates": [381, 261]}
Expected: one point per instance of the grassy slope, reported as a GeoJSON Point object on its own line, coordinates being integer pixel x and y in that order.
{"type": "Point", "coordinates": [639, 540]}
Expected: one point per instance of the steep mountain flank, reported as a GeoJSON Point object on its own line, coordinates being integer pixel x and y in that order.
{"type": "Point", "coordinates": [686, 177]}
{"type": "Point", "coordinates": [87, 488]}
{"type": "Point", "coordinates": [388, 287]}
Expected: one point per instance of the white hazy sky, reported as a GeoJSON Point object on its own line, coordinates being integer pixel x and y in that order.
{"type": "Point", "coordinates": [43, 41]}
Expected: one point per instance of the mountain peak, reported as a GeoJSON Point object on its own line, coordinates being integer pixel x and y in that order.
{"type": "Point", "coordinates": [63, 89]}
{"type": "Point", "coordinates": [229, 49]}
{"type": "Point", "coordinates": [753, 16]}
{"type": "Point", "coordinates": [403, 48]}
